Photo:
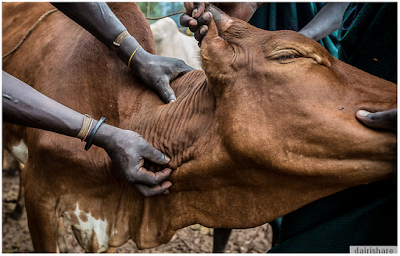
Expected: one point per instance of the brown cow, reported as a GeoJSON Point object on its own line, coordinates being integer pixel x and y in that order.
{"type": "Point", "coordinates": [269, 127]}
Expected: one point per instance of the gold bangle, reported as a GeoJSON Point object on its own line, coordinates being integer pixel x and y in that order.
{"type": "Point", "coordinates": [129, 63]}
{"type": "Point", "coordinates": [85, 126]}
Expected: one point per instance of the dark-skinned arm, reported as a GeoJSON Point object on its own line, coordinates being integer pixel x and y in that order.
{"type": "Point", "coordinates": [326, 21]}
{"type": "Point", "coordinates": [25, 106]}
{"type": "Point", "coordinates": [155, 71]}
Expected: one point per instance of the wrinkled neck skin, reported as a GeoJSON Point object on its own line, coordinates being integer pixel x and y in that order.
{"type": "Point", "coordinates": [177, 127]}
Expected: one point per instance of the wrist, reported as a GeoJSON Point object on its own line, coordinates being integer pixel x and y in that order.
{"type": "Point", "coordinates": [104, 136]}
{"type": "Point", "coordinates": [131, 50]}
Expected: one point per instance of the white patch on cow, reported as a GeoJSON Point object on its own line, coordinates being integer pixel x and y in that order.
{"type": "Point", "coordinates": [85, 230]}
{"type": "Point", "coordinates": [20, 152]}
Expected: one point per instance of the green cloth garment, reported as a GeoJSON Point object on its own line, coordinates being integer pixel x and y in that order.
{"type": "Point", "coordinates": [368, 38]}
{"type": "Point", "coordinates": [292, 16]}
{"type": "Point", "coordinates": [362, 215]}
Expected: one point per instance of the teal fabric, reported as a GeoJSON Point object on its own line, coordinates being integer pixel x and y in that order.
{"type": "Point", "coordinates": [368, 38]}
{"type": "Point", "coordinates": [292, 16]}
{"type": "Point", "coordinates": [363, 215]}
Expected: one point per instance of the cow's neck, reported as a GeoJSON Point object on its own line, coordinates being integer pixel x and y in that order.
{"type": "Point", "coordinates": [177, 127]}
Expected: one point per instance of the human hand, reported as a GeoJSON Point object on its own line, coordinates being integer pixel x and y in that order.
{"type": "Point", "coordinates": [379, 120]}
{"type": "Point", "coordinates": [127, 151]}
{"type": "Point", "coordinates": [158, 71]}
{"type": "Point", "coordinates": [197, 19]}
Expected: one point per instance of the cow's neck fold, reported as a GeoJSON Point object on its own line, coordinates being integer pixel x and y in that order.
{"type": "Point", "coordinates": [175, 128]}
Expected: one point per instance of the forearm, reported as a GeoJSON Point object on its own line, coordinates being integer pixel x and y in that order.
{"type": "Point", "coordinates": [95, 17]}
{"type": "Point", "coordinates": [25, 106]}
{"type": "Point", "coordinates": [327, 20]}
{"type": "Point", "coordinates": [98, 19]}
{"type": "Point", "coordinates": [155, 71]}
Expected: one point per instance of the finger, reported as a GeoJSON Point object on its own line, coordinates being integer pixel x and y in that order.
{"type": "Point", "coordinates": [165, 91]}
{"type": "Point", "coordinates": [187, 21]}
{"type": "Point", "coordinates": [379, 120]}
{"type": "Point", "coordinates": [144, 176]}
{"type": "Point", "coordinates": [188, 7]}
{"type": "Point", "coordinates": [155, 190]}
{"type": "Point", "coordinates": [183, 69]}
{"type": "Point", "coordinates": [198, 9]}
{"type": "Point", "coordinates": [163, 175]}
{"type": "Point", "coordinates": [151, 153]}
{"type": "Point", "coordinates": [204, 19]}
{"type": "Point", "coordinates": [200, 33]}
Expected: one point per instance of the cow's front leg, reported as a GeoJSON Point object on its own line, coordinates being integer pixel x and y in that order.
{"type": "Point", "coordinates": [41, 213]}
{"type": "Point", "coordinates": [42, 227]}
{"type": "Point", "coordinates": [20, 203]}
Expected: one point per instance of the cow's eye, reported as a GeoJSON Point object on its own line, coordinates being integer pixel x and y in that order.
{"type": "Point", "coordinates": [286, 57]}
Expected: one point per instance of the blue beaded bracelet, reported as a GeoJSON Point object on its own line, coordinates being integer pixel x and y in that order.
{"type": "Point", "coordinates": [91, 135]}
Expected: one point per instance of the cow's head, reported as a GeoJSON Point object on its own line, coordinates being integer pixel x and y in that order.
{"type": "Point", "coordinates": [290, 106]}
{"type": "Point", "coordinates": [283, 132]}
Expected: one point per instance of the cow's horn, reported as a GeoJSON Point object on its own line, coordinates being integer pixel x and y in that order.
{"type": "Point", "coordinates": [222, 20]}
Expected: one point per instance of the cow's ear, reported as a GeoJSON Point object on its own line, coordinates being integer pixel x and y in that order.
{"type": "Point", "coordinates": [213, 45]}
{"type": "Point", "coordinates": [222, 20]}
{"type": "Point", "coordinates": [214, 49]}
{"type": "Point", "coordinates": [212, 39]}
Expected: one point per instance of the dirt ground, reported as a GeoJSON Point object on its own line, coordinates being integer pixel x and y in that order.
{"type": "Point", "coordinates": [193, 239]}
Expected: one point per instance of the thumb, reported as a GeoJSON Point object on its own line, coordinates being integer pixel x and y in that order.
{"type": "Point", "coordinates": [165, 91]}
{"type": "Point", "coordinates": [379, 120]}
{"type": "Point", "coordinates": [155, 155]}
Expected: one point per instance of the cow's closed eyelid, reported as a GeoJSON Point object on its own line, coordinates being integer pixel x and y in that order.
{"type": "Point", "coordinates": [286, 58]}
{"type": "Point", "coordinates": [285, 55]}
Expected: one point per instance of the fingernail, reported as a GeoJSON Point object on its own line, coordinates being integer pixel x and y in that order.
{"type": "Point", "coordinates": [194, 12]}
{"type": "Point", "coordinates": [167, 158]}
{"type": "Point", "coordinates": [207, 16]}
{"type": "Point", "coordinates": [363, 113]}
{"type": "Point", "coordinates": [172, 98]}
{"type": "Point", "coordinates": [203, 30]}
{"type": "Point", "coordinates": [171, 101]}
{"type": "Point", "coordinates": [193, 23]}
